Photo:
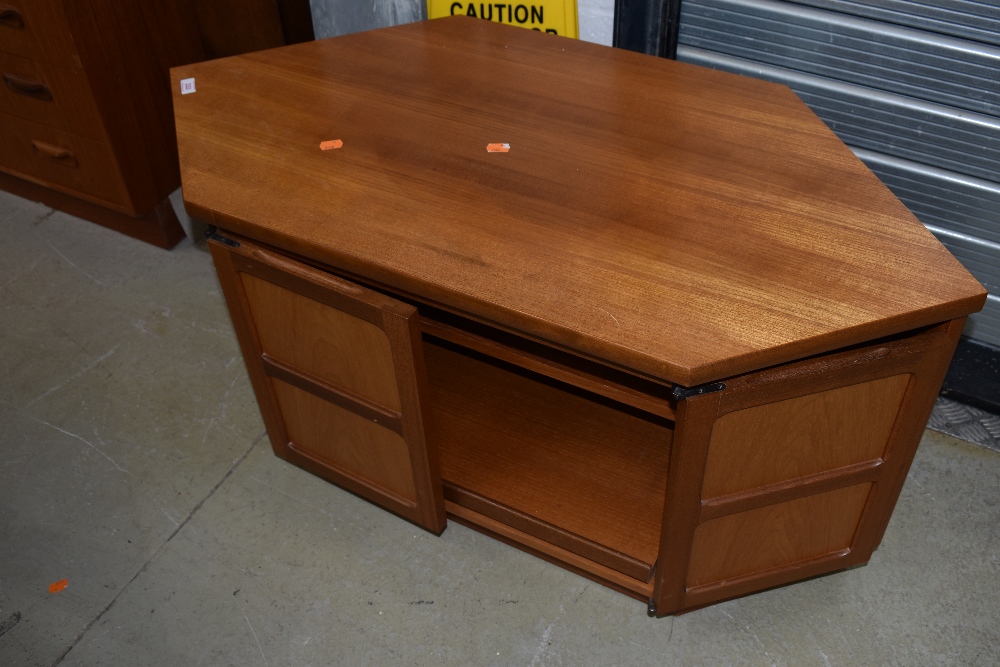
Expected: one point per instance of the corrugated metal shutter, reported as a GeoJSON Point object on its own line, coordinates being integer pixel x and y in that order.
{"type": "Point", "coordinates": [913, 88]}
{"type": "Point", "coordinates": [977, 21]}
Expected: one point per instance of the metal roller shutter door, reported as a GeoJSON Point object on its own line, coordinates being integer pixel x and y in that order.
{"type": "Point", "coordinates": [921, 108]}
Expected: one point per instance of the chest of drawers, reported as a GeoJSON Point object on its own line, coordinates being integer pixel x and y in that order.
{"type": "Point", "coordinates": [85, 122]}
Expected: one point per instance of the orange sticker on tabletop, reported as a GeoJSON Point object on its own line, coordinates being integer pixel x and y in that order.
{"type": "Point", "coordinates": [497, 148]}
{"type": "Point", "coordinates": [57, 586]}
{"type": "Point", "coordinates": [333, 143]}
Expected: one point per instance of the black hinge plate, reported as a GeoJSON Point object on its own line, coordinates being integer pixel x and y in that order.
{"type": "Point", "coordinates": [681, 393]}
{"type": "Point", "coordinates": [213, 233]}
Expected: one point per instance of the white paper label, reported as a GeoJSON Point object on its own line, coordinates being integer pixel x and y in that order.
{"type": "Point", "coordinates": [187, 86]}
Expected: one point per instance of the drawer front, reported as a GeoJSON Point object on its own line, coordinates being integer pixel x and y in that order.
{"type": "Point", "coordinates": [61, 160]}
{"type": "Point", "coordinates": [37, 29]}
{"type": "Point", "coordinates": [49, 95]}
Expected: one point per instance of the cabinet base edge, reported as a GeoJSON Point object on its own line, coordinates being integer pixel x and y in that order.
{"type": "Point", "coordinates": [159, 227]}
{"type": "Point", "coordinates": [549, 552]}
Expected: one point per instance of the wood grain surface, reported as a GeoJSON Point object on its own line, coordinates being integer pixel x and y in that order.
{"type": "Point", "coordinates": [602, 380]}
{"type": "Point", "coordinates": [801, 436]}
{"type": "Point", "coordinates": [330, 429]}
{"type": "Point", "coordinates": [64, 161]}
{"type": "Point", "coordinates": [788, 530]}
{"type": "Point", "coordinates": [687, 223]}
{"type": "Point", "coordinates": [126, 49]}
{"type": "Point", "coordinates": [331, 344]}
{"type": "Point", "coordinates": [548, 452]}
{"type": "Point", "coordinates": [69, 104]}
{"type": "Point", "coordinates": [776, 535]}
{"type": "Point", "coordinates": [44, 34]}
{"type": "Point", "coordinates": [573, 562]}
{"type": "Point", "coordinates": [230, 27]}
{"type": "Point", "coordinates": [348, 442]}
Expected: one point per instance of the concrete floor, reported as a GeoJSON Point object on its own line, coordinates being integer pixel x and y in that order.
{"type": "Point", "coordinates": [134, 464]}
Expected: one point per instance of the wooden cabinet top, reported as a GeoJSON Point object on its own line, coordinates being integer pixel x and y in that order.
{"type": "Point", "coordinates": [681, 222]}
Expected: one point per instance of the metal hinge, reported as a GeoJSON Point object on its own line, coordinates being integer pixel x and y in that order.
{"type": "Point", "coordinates": [681, 393]}
{"type": "Point", "coordinates": [213, 234]}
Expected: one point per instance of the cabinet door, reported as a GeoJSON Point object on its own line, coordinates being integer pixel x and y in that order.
{"type": "Point", "coordinates": [339, 375]}
{"type": "Point", "coordinates": [793, 471]}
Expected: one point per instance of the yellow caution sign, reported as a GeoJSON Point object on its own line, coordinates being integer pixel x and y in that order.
{"type": "Point", "coordinates": [557, 17]}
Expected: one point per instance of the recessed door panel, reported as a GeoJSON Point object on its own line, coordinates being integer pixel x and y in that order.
{"type": "Point", "coordinates": [346, 441]}
{"type": "Point", "coordinates": [351, 353]}
{"type": "Point", "coordinates": [779, 442]}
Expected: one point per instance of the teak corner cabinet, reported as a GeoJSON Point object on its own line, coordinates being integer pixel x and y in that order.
{"type": "Point", "coordinates": [678, 339]}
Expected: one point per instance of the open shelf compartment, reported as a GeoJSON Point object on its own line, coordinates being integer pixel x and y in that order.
{"type": "Point", "coordinates": [550, 460]}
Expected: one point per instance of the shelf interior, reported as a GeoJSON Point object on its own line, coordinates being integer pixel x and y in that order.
{"type": "Point", "coordinates": [619, 386]}
{"type": "Point", "coordinates": [549, 459]}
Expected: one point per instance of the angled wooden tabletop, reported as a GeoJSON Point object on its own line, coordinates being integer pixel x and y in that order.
{"type": "Point", "coordinates": [681, 222]}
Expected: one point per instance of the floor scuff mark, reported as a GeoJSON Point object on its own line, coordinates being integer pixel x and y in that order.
{"type": "Point", "coordinates": [74, 376]}
{"type": "Point", "coordinates": [543, 644]}
{"type": "Point", "coordinates": [83, 440]}
{"type": "Point", "coordinates": [255, 638]}
{"type": "Point", "coordinates": [70, 262]}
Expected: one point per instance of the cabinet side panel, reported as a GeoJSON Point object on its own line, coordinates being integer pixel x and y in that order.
{"type": "Point", "coordinates": [346, 441]}
{"type": "Point", "coordinates": [776, 535]}
{"type": "Point", "coordinates": [801, 436]}
{"type": "Point", "coordinates": [127, 49]}
{"type": "Point", "coordinates": [231, 27]}
{"type": "Point", "coordinates": [331, 344]}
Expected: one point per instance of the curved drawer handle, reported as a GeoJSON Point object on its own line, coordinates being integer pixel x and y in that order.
{"type": "Point", "coordinates": [11, 18]}
{"type": "Point", "coordinates": [29, 87]}
{"type": "Point", "coordinates": [55, 153]}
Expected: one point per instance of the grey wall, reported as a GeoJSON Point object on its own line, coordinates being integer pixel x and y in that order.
{"type": "Point", "coordinates": [340, 17]}
{"type": "Point", "coordinates": [597, 20]}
